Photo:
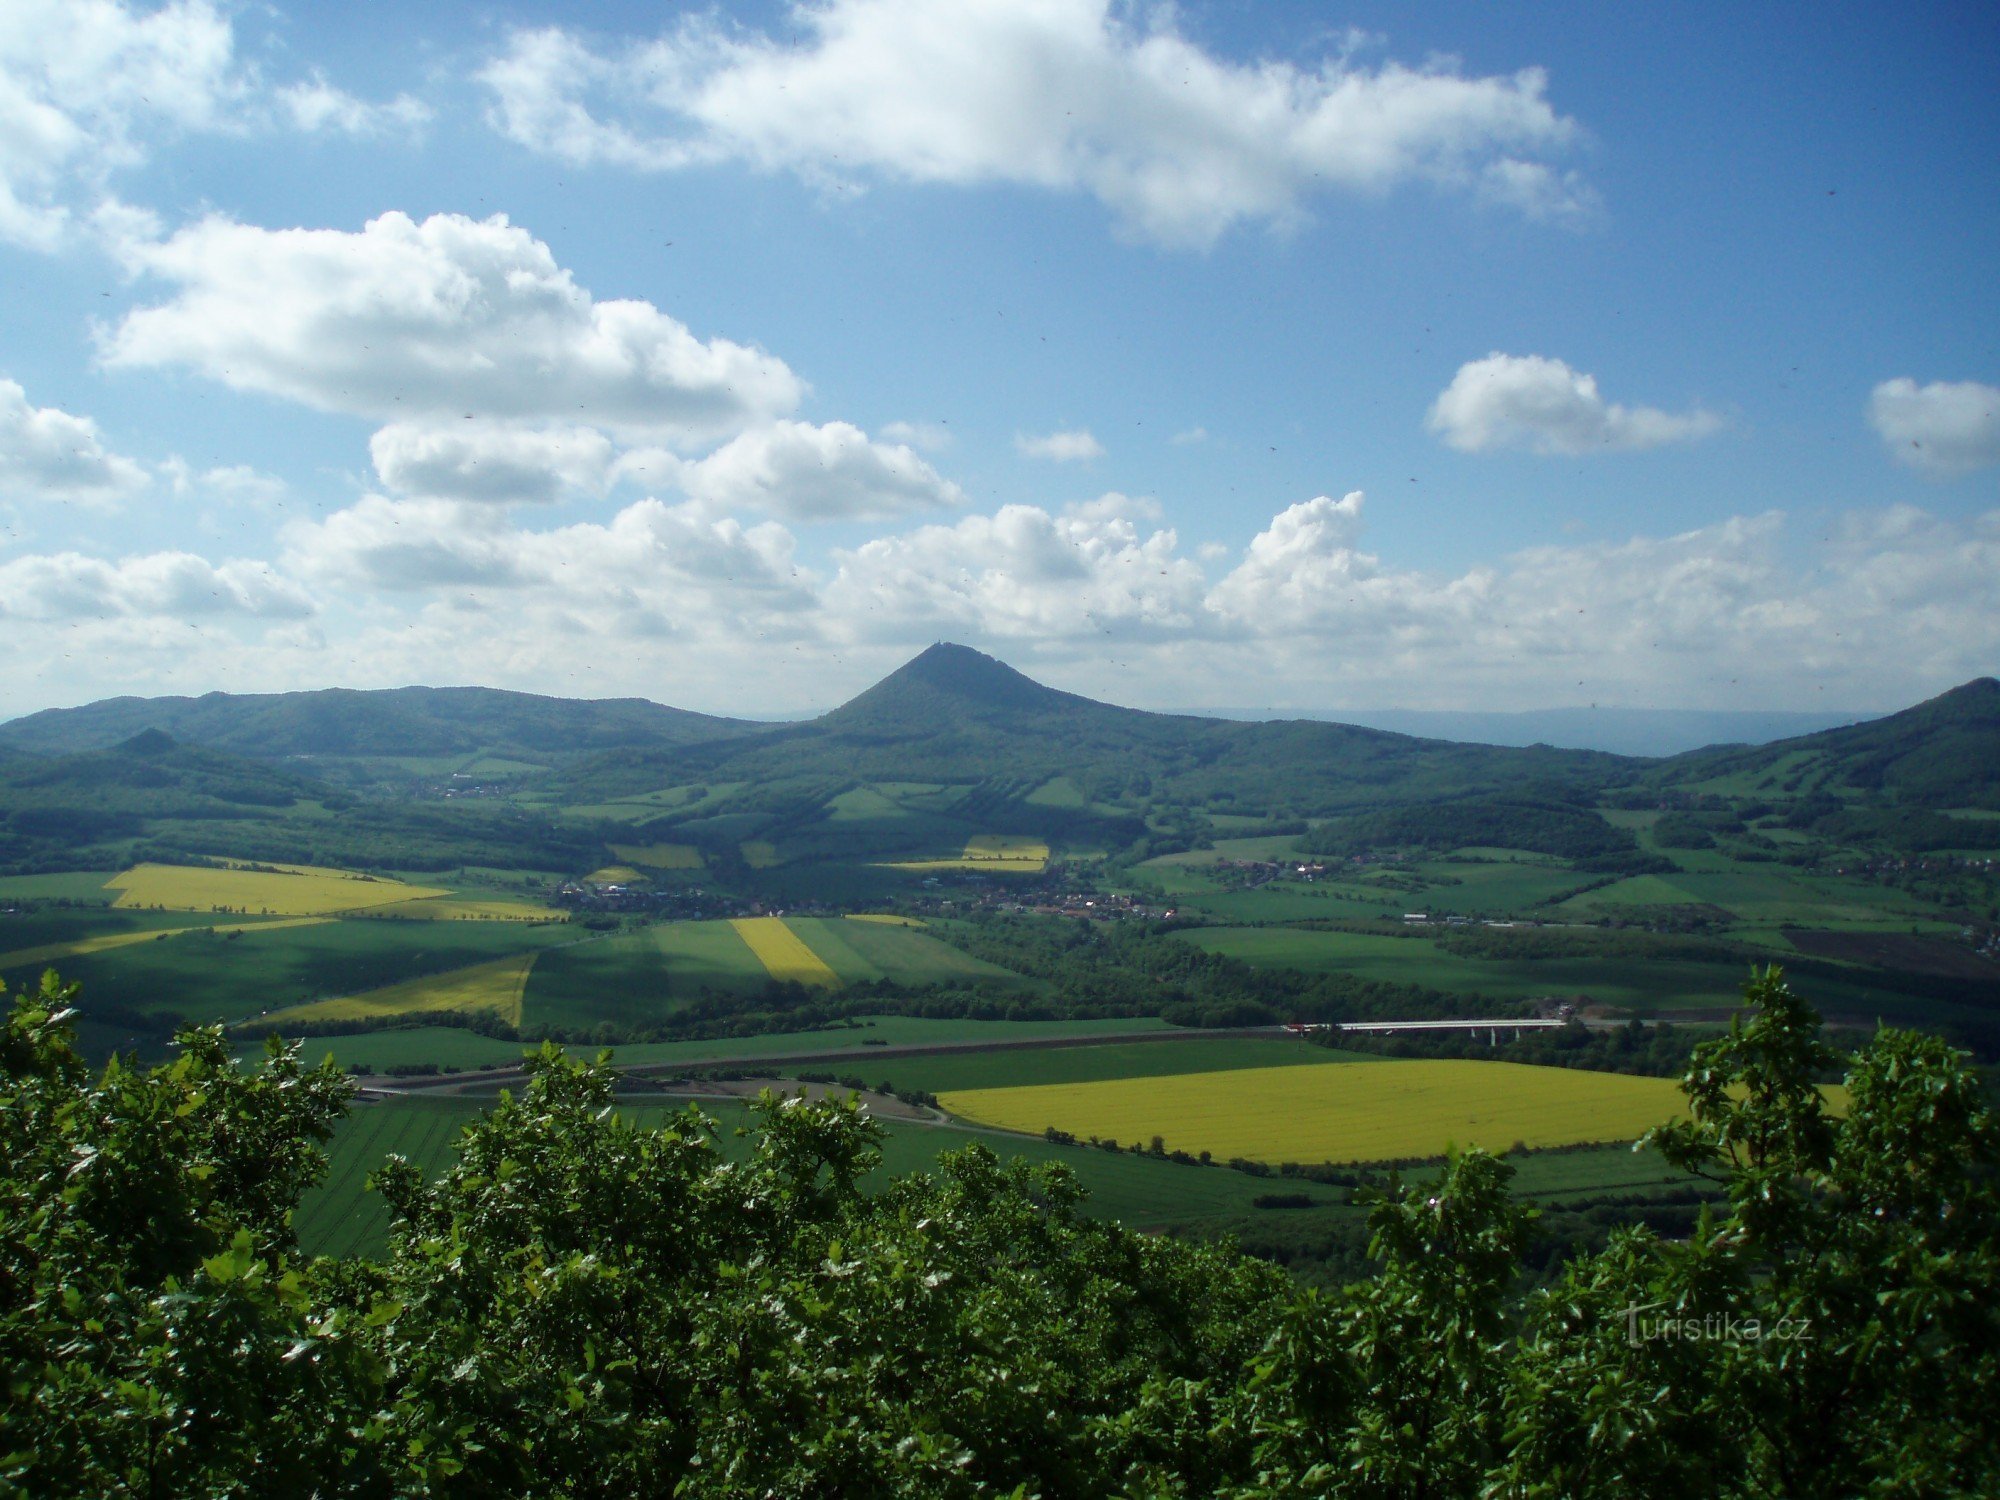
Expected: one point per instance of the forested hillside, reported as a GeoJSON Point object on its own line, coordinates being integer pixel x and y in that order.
{"type": "Point", "coordinates": [580, 1307]}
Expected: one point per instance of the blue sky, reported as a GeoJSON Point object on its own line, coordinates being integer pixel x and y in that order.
{"type": "Point", "coordinates": [1458, 356]}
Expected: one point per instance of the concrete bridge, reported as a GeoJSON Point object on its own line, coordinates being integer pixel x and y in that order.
{"type": "Point", "coordinates": [1492, 1028]}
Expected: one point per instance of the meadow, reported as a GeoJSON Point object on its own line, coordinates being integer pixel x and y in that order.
{"type": "Point", "coordinates": [1353, 1113]}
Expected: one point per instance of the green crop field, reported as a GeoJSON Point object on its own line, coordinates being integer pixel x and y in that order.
{"type": "Point", "coordinates": [1648, 987]}
{"type": "Point", "coordinates": [451, 1048]}
{"type": "Point", "coordinates": [640, 977]}
{"type": "Point", "coordinates": [984, 1070]}
{"type": "Point", "coordinates": [865, 950]}
{"type": "Point", "coordinates": [206, 976]}
{"type": "Point", "coordinates": [341, 1217]}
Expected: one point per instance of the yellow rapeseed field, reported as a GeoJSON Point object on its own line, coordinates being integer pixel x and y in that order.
{"type": "Point", "coordinates": [660, 856]}
{"type": "Point", "coordinates": [782, 952]}
{"type": "Point", "coordinates": [1355, 1112]}
{"type": "Point", "coordinates": [284, 891]}
{"type": "Point", "coordinates": [497, 985]}
{"type": "Point", "coordinates": [1007, 853]}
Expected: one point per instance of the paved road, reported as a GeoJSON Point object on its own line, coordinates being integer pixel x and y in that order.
{"type": "Point", "coordinates": [776, 1063]}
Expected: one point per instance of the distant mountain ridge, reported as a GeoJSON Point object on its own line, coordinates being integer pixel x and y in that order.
{"type": "Point", "coordinates": [1617, 731]}
{"type": "Point", "coordinates": [409, 721]}
{"type": "Point", "coordinates": [1943, 752]}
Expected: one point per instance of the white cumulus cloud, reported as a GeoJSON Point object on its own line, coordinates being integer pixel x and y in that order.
{"type": "Point", "coordinates": [807, 473]}
{"type": "Point", "coordinates": [172, 585]}
{"type": "Point", "coordinates": [1529, 401]}
{"type": "Point", "coordinates": [1061, 447]}
{"type": "Point", "coordinates": [316, 105]}
{"type": "Point", "coordinates": [1068, 95]}
{"type": "Point", "coordinates": [49, 454]}
{"type": "Point", "coordinates": [408, 321]}
{"type": "Point", "coordinates": [1020, 573]}
{"type": "Point", "coordinates": [90, 88]}
{"type": "Point", "coordinates": [496, 462]}
{"type": "Point", "coordinates": [1944, 428]}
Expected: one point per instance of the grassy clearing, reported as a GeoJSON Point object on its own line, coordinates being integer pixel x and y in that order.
{"type": "Point", "coordinates": [759, 854]}
{"type": "Point", "coordinates": [495, 986]}
{"type": "Point", "coordinates": [783, 953]}
{"type": "Point", "coordinates": [887, 917]}
{"type": "Point", "coordinates": [658, 856]}
{"type": "Point", "coordinates": [284, 891]}
{"type": "Point", "coordinates": [613, 875]}
{"type": "Point", "coordinates": [1353, 1113]}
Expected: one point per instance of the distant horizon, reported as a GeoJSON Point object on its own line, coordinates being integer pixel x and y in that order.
{"type": "Point", "coordinates": [1457, 357]}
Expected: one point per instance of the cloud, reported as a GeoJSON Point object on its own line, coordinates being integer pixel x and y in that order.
{"type": "Point", "coordinates": [1188, 436]}
{"type": "Point", "coordinates": [430, 321]}
{"type": "Point", "coordinates": [86, 86]}
{"type": "Point", "coordinates": [1066, 95]}
{"type": "Point", "coordinates": [1018, 574]}
{"type": "Point", "coordinates": [666, 564]}
{"type": "Point", "coordinates": [1942, 428]}
{"type": "Point", "coordinates": [494, 462]}
{"type": "Point", "coordinates": [807, 473]}
{"type": "Point", "coordinates": [49, 455]}
{"type": "Point", "coordinates": [925, 437]}
{"type": "Point", "coordinates": [89, 88]}
{"type": "Point", "coordinates": [317, 105]}
{"type": "Point", "coordinates": [172, 585]}
{"type": "Point", "coordinates": [1528, 401]}
{"type": "Point", "coordinates": [1061, 447]}
{"type": "Point", "coordinates": [233, 484]}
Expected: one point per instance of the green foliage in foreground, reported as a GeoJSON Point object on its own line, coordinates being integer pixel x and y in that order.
{"type": "Point", "coordinates": [579, 1307]}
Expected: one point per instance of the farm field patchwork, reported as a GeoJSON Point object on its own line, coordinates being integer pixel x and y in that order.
{"type": "Point", "coordinates": [238, 971]}
{"type": "Point", "coordinates": [280, 890]}
{"type": "Point", "coordinates": [1646, 987]}
{"type": "Point", "coordinates": [1353, 1113]}
{"type": "Point", "coordinates": [783, 953]}
{"type": "Point", "coordinates": [50, 952]}
{"type": "Point", "coordinates": [496, 986]}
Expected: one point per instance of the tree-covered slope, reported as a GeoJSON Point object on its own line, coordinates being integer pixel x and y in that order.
{"type": "Point", "coordinates": [955, 715]}
{"type": "Point", "coordinates": [1944, 752]}
{"type": "Point", "coordinates": [411, 721]}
